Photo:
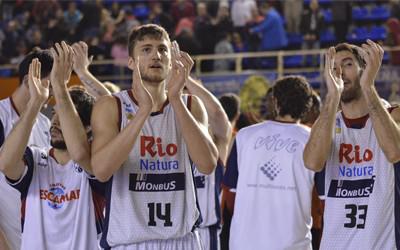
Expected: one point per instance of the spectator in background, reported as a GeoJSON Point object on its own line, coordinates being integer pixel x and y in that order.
{"type": "Point", "coordinates": [72, 17]}
{"type": "Point", "coordinates": [253, 40]}
{"type": "Point", "coordinates": [160, 17]}
{"type": "Point", "coordinates": [341, 18]}
{"type": "Point", "coordinates": [185, 37]}
{"type": "Point", "coordinates": [204, 32]}
{"type": "Point", "coordinates": [393, 39]}
{"type": "Point", "coordinates": [224, 46]}
{"type": "Point", "coordinates": [273, 34]}
{"type": "Point", "coordinates": [312, 22]}
{"type": "Point", "coordinates": [117, 14]}
{"type": "Point", "coordinates": [223, 22]}
{"type": "Point", "coordinates": [395, 8]}
{"type": "Point", "coordinates": [292, 12]}
{"type": "Point", "coordinates": [43, 11]}
{"type": "Point", "coordinates": [181, 9]}
{"type": "Point", "coordinates": [119, 51]}
{"type": "Point", "coordinates": [241, 14]}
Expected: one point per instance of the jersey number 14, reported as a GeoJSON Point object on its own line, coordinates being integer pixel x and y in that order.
{"type": "Point", "coordinates": [155, 210]}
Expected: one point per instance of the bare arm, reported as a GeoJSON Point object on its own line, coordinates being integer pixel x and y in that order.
{"type": "Point", "coordinates": [3, 241]}
{"type": "Point", "coordinates": [71, 125]}
{"type": "Point", "coordinates": [110, 148]}
{"type": "Point", "coordinates": [194, 127]}
{"type": "Point", "coordinates": [317, 150]}
{"type": "Point", "coordinates": [12, 151]}
{"type": "Point", "coordinates": [386, 126]}
{"type": "Point", "coordinates": [217, 118]}
{"type": "Point", "coordinates": [81, 68]}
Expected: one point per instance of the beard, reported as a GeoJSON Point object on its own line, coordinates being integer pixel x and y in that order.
{"type": "Point", "coordinates": [352, 93]}
{"type": "Point", "coordinates": [58, 145]}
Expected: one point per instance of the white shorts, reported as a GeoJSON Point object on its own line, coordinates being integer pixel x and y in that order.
{"type": "Point", "coordinates": [10, 213]}
{"type": "Point", "coordinates": [209, 237]}
{"type": "Point", "coordinates": [189, 242]}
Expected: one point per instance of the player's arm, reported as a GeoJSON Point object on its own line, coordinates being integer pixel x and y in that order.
{"type": "Point", "coordinates": [71, 125]}
{"type": "Point", "coordinates": [81, 64]}
{"type": "Point", "coordinates": [110, 148]}
{"type": "Point", "coordinates": [386, 126]}
{"type": "Point", "coordinates": [3, 241]}
{"type": "Point", "coordinates": [319, 144]}
{"type": "Point", "coordinates": [217, 118]}
{"type": "Point", "coordinates": [202, 149]}
{"type": "Point", "coordinates": [12, 151]}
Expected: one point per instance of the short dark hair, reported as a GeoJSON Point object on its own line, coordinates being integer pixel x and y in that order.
{"type": "Point", "coordinates": [231, 104]}
{"type": "Point", "coordinates": [83, 103]}
{"type": "Point", "coordinates": [148, 30]}
{"type": "Point", "coordinates": [314, 110]}
{"type": "Point", "coordinates": [352, 49]}
{"type": "Point", "coordinates": [292, 94]}
{"type": "Point", "coordinates": [45, 59]}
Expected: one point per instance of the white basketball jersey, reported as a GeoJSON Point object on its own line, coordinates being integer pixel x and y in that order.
{"type": "Point", "coordinates": [152, 196]}
{"type": "Point", "coordinates": [359, 191]}
{"type": "Point", "coordinates": [273, 192]}
{"type": "Point", "coordinates": [57, 204]}
{"type": "Point", "coordinates": [10, 198]}
{"type": "Point", "coordinates": [208, 190]}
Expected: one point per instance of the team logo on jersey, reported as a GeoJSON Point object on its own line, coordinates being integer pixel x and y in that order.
{"type": "Point", "coordinates": [352, 154]}
{"type": "Point", "coordinates": [200, 181]}
{"type": "Point", "coordinates": [78, 168]}
{"type": "Point", "coordinates": [338, 128]}
{"type": "Point", "coordinates": [157, 182]}
{"type": "Point", "coordinates": [351, 188]}
{"type": "Point", "coordinates": [277, 143]}
{"type": "Point", "coordinates": [57, 195]}
{"type": "Point", "coordinates": [43, 160]}
{"type": "Point", "coordinates": [151, 147]}
{"type": "Point", "coordinates": [271, 169]}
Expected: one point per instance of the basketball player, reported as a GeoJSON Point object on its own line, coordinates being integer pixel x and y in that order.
{"type": "Point", "coordinates": [10, 111]}
{"type": "Point", "coordinates": [273, 192]}
{"type": "Point", "coordinates": [58, 209]}
{"type": "Point", "coordinates": [209, 186]}
{"type": "Point", "coordinates": [356, 147]}
{"type": "Point", "coordinates": [144, 140]}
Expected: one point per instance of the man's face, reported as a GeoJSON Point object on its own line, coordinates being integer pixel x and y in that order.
{"type": "Point", "coordinates": [351, 72]}
{"type": "Point", "coordinates": [57, 139]}
{"type": "Point", "coordinates": [154, 59]}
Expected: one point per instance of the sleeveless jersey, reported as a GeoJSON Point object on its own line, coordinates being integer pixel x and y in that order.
{"type": "Point", "coordinates": [273, 188]}
{"type": "Point", "coordinates": [152, 196]}
{"type": "Point", "coordinates": [57, 204]}
{"type": "Point", "coordinates": [10, 198]}
{"type": "Point", "coordinates": [359, 191]}
{"type": "Point", "coordinates": [208, 188]}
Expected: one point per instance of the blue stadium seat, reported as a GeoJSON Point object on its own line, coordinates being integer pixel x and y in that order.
{"type": "Point", "coordinates": [386, 58]}
{"type": "Point", "coordinates": [380, 13]}
{"type": "Point", "coordinates": [141, 11]}
{"type": "Point", "coordinates": [327, 15]}
{"type": "Point", "coordinates": [295, 39]}
{"type": "Point", "coordinates": [358, 35]}
{"type": "Point", "coordinates": [293, 61]}
{"type": "Point", "coordinates": [360, 13]}
{"type": "Point", "coordinates": [377, 33]}
{"type": "Point", "coordinates": [327, 36]}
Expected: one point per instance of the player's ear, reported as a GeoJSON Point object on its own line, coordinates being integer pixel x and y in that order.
{"type": "Point", "coordinates": [131, 63]}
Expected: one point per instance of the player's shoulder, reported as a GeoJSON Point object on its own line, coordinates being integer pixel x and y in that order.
{"type": "Point", "coordinates": [106, 104]}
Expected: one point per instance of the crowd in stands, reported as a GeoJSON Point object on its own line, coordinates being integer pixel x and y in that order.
{"type": "Point", "coordinates": [200, 27]}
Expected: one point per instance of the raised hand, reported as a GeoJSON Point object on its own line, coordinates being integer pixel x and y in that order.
{"type": "Point", "coordinates": [38, 90]}
{"type": "Point", "coordinates": [181, 67]}
{"type": "Point", "coordinates": [333, 78]}
{"type": "Point", "coordinates": [81, 60]}
{"type": "Point", "coordinates": [62, 65]}
{"type": "Point", "coordinates": [372, 54]}
{"type": "Point", "coordinates": [142, 95]}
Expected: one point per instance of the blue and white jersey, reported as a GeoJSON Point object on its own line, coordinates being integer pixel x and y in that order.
{"type": "Point", "coordinates": [61, 204]}
{"type": "Point", "coordinates": [360, 190]}
{"type": "Point", "coordinates": [152, 196]}
{"type": "Point", "coordinates": [208, 189]}
{"type": "Point", "coordinates": [10, 201]}
{"type": "Point", "coordinates": [273, 188]}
